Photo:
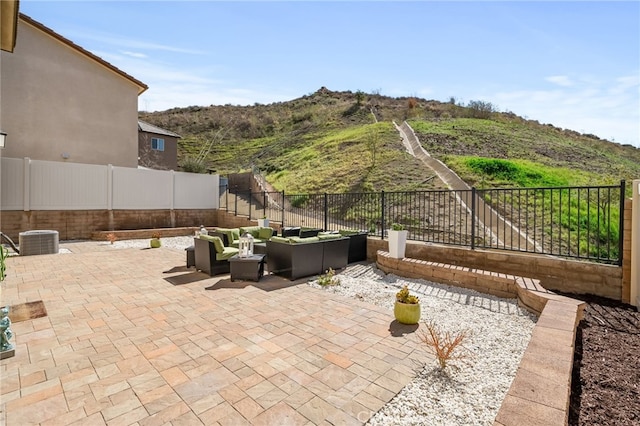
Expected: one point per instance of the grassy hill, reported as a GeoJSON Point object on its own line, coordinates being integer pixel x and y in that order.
{"type": "Point", "coordinates": [345, 141]}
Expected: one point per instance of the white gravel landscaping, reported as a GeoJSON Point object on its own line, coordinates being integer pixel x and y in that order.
{"type": "Point", "coordinates": [470, 391]}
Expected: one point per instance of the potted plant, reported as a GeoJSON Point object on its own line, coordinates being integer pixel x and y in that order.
{"type": "Point", "coordinates": [407, 307]}
{"type": "Point", "coordinates": [263, 222]}
{"type": "Point", "coordinates": [155, 240]}
{"type": "Point", "coordinates": [397, 240]}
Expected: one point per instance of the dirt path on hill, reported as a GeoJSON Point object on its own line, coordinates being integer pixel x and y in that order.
{"type": "Point", "coordinates": [500, 231]}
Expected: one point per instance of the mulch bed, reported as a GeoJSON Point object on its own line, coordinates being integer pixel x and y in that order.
{"type": "Point", "coordinates": [605, 388]}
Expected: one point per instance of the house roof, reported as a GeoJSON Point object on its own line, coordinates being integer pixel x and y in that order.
{"type": "Point", "coordinates": [30, 21]}
{"type": "Point", "coordinates": [150, 128]}
{"type": "Point", "coordinates": [8, 24]}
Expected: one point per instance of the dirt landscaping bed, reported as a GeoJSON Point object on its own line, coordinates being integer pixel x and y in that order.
{"type": "Point", "coordinates": [605, 386]}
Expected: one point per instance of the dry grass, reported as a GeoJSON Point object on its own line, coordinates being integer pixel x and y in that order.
{"type": "Point", "coordinates": [444, 345]}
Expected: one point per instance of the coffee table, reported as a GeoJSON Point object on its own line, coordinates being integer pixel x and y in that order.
{"type": "Point", "coordinates": [247, 268]}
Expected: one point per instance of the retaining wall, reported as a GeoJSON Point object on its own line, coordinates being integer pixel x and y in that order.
{"type": "Point", "coordinates": [81, 224]}
{"type": "Point", "coordinates": [563, 275]}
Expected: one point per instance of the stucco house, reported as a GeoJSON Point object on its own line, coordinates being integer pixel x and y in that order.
{"type": "Point", "coordinates": [60, 102]}
{"type": "Point", "coordinates": [8, 24]}
{"type": "Point", "coordinates": [157, 147]}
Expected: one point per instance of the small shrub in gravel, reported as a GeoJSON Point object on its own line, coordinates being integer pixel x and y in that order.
{"type": "Point", "coordinates": [444, 344]}
{"type": "Point", "coordinates": [328, 279]}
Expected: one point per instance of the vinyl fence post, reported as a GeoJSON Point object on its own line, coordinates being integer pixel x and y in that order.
{"type": "Point", "coordinates": [26, 188]}
{"type": "Point", "coordinates": [110, 187]}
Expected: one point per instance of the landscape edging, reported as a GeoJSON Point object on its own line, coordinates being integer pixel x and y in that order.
{"type": "Point", "coordinates": [541, 390]}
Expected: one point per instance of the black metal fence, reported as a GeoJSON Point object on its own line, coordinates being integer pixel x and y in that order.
{"type": "Point", "coordinates": [575, 222]}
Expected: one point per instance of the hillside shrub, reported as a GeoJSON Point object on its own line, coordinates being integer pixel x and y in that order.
{"type": "Point", "coordinates": [191, 165]}
{"type": "Point", "coordinates": [481, 109]}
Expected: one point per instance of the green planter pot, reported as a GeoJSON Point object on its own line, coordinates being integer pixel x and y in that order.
{"type": "Point", "coordinates": [407, 313]}
{"type": "Point", "coordinates": [155, 243]}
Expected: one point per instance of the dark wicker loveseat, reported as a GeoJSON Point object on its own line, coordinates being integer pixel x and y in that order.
{"type": "Point", "coordinates": [297, 257]}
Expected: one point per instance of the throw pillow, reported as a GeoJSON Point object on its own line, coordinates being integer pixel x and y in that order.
{"type": "Point", "coordinates": [265, 233]}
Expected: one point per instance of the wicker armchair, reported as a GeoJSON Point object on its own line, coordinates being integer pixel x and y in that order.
{"type": "Point", "coordinates": [211, 255]}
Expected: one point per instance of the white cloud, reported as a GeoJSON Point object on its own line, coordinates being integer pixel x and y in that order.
{"type": "Point", "coordinates": [134, 54]}
{"type": "Point", "coordinates": [129, 43]}
{"type": "Point", "coordinates": [560, 80]}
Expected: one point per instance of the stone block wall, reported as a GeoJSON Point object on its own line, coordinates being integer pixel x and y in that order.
{"type": "Point", "coordinates": [81, 224]}
{"type": "Point", "coordinates": [554, 274]}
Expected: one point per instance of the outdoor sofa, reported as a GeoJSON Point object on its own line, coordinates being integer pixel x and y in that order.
{"type": "Point", "coordinates": [231, 236]}
{"type": "Point", "coordinates": [296, 257]}
{"type": "Point", "coordinates": [357, 244]}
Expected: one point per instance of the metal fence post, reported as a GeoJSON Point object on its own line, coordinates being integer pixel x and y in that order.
{"type": "Point", "coordinates": [235, 202]}
{"type": "Point", "coordinates": [382, 219]}
{"type": "Point", "coordinates": [473, 217]}
{"type": "Point", "coordinates": [264, 203]}
{"type": "Point", "coordinates": [326, 212]}
{"type": "Point", "coordinates": [283, 209]}
{"type": "Point", "coordinates": [621, 224]}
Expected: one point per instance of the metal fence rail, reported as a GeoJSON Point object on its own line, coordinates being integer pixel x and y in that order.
{"type": "Point", "coordinates": [577, 222]}
{"type": "Point", "coordinates": [574, 222]}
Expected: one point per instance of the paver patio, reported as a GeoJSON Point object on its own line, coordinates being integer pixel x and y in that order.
{"type": "Point", "coordinates": [134, 337]}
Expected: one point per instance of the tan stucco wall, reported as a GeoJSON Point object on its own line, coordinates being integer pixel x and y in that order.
{"type": "Point", "coordinates": [160, 160]}
{"type": "Point", "coordinates": [56, 100]}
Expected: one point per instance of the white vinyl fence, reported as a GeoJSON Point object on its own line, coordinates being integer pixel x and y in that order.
{"type": "Point", "coordinates": [27, 184]}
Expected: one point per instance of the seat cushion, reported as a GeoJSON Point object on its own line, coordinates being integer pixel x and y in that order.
{"type": "Point", "coordinates": [280, 240]}
{"type": "Point", "coordinates": [299, 240]}
{"type": "Point", "coordinates": [322, 236]}
{"type": "Point", "coordinates": [227, 253]}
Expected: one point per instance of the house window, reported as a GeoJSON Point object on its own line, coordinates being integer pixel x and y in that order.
{"type": "Point", "coordinates": [157, 144]}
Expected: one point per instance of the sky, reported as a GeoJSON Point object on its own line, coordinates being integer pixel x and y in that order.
{"type": "Point", "coordinates": [572, 64]}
